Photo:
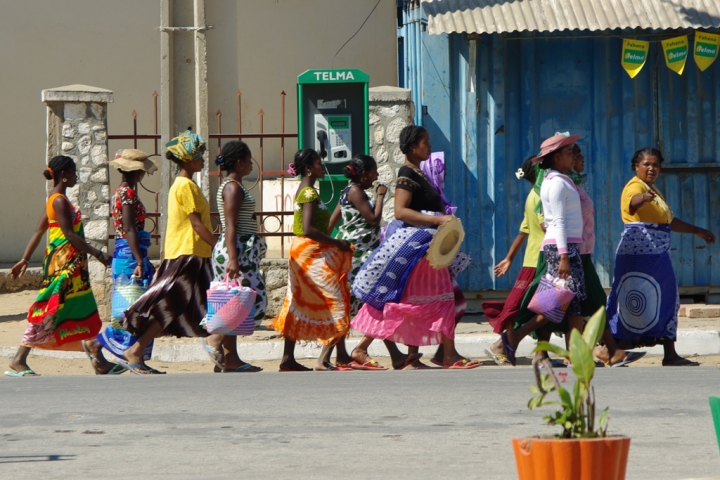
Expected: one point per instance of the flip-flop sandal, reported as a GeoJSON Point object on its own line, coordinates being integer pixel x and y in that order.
{"type": "Point", "coordinates": [681, 362]}
{"type": "Point", "coordinates": [114, 370]}
{"type": "Point", "coordinates": [630, 357]}
{"type": "Point", "coordinates": [463, 364]}
{"type": "Point", "coordinates": [247, 368]}
{"type": "Point", "coordinates": [343, 368]}
{"type": "Point", "coordinates": [140, 368]}
{"type": "Point", "coordinates": [369, 365]}
{"type": "Point", "coordinates": [498, 358]}
{"type": "Point", "coordinates": [509, 351]}
{"type": "Point", "coordinates": [436, 362]}
{"type": "Point", "coordinates": [215, 356]}
{"type": "Point", "coordinates": [24, 373]}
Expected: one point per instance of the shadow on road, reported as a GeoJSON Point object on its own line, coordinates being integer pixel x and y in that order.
{"type": "Point", "coordinates": [35, 458]}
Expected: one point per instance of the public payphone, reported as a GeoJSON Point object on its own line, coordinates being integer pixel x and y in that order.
{"type": "Point", "coordinates": [333, 119]}
{"type": "Point", "coordinates": [333, 115]}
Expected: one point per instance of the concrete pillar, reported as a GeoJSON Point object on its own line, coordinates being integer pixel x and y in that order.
{"type": "Point", "coordinates": [77, 127]}
{"type": "Point", "coordinates": [391, 110]}
{"type": "Point", "coordinates": [183, 77]}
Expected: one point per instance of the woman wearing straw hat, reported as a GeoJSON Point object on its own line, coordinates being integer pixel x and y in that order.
{"type": "Point", "coordinates": [407, 300]}
{"type": "Point", "coordinates": [130, 258]}
{"type": "Point", "coordinates": [65, 312]}
{"type": "Point", "coordinates": [176, 302]}
{"type": "Point", "coordinates": [563, 236]}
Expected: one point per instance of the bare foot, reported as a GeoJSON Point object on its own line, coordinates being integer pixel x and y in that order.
{"type": "Point", "coordinates": [602, 353]}
{"type": "Point", "coordinates": [360, 356]}
{"type": "Point", "coordinates": [406, 360]}
{"type": "Point", "coordinates": [293, 366]}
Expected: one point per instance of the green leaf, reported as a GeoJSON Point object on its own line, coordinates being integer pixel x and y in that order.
{"type": "Point", "coordinates": [581, 358]}
{"type": "Point", "coordinates": [535, 402]}
{"type": "Point", "coordinates": [565, 398]}
{"type": "Point", "coordinates": [543, 346]}
{"type": "Point", "coordinates": [595, 327]}
{"type": "Point", "coordinates": [604, 419]}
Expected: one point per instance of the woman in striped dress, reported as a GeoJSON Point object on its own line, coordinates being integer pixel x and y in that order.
{"type": "Point", "coordinates": [238, 252]}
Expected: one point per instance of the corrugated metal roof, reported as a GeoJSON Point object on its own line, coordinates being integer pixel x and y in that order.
{"type": "Point", "coordinates": [498, 16]}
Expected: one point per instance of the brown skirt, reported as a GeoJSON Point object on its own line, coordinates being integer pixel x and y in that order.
{"type": "Point", "coordinates": [177, 298]}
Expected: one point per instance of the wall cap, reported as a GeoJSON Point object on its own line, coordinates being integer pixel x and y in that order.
{"type": "Point", "coordinates": [389, 94]}
{"type": "Point", "coordinates": [77, 93]}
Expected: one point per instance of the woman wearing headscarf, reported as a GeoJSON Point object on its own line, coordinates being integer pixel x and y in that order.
{"type": "Point", "coordinates": [317, 304]}
{"type": "Point", "coordinates": [176, 301]}
{"type": "Point", "coordinates": [563, 236]}
{"type": "Point", "coordinates": [238, 252]}
{"type": "Point", "coordinates": [643, 305]}
{"type": "Point", "coordinates": [405, 299]}
{"type": "Point", "coordinates": [130, 258]}
{"type": "Point", "coordinates": [64, 313]}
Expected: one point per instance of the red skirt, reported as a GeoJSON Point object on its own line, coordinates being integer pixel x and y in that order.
{"type": "Point", "coordinates": [501, 315]}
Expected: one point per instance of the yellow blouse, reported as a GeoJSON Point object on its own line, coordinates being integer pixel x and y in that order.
{"type": "Point", "coordinates": [656, 211]}
{"type": "Point", "coordinates": [185, 198]}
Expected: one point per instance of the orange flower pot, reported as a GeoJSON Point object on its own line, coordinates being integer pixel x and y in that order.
{"type": "Point", "coordinates": [571, 459]}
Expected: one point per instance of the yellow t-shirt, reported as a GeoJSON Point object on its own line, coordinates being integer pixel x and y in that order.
{"type": "Point", "coordinates": [531, 225]}
{"type": "Point", "coordinates": [185, 198]}
{"type": "Point", "coordinates": [656, 211]}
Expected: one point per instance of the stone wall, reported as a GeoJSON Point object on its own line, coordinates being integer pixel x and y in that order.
{"type": "Point", "coordinates": [77, 127]}
{"type": "Point", "coordinates": [391, 110]}
{"type": "Point", "coordinates": [275, 273]}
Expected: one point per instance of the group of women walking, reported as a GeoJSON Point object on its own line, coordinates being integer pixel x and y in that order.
{"type": "Point", "coordinates": [643, 304]}
{"type": "Point", "coordinates": [379, 282]}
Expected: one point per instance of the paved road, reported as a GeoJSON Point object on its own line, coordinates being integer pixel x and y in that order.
{"type": "Point", "coordinates": [409, 424]}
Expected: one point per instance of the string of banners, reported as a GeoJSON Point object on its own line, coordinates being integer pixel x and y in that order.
{"type": "Point", "coordinates": [635, 52]}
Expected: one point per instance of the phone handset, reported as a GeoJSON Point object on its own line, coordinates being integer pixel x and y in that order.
{"type": "Point", "coordinates": [322, 138]}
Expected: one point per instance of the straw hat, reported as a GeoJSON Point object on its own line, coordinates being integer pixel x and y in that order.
{"type": "Point", "coordinates": [445, 243]}
{"type": "Point", "coordinates": [130, 159]}
{"type": "Point", "coordinates": [556, 142]}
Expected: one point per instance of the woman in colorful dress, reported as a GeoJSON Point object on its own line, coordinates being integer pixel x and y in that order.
{"type": "Point", "coordinates": [405, 299]}
{"type": "Point", "coordinates": [238, 252]}
{"type": "Point", "coordinates": [130, 259]}
{"type": "Point", "coordinates": [501, 315]}
{"type": "Point", "coordinates": [563, 236]}
{"type": "Point", "coordinates": [65, 312]}
{"type": "Point", "coordinates": [361, 227]}
{"type": "Point", "coordinates": [643, 305]}
{"type": "Point", "coordinates": [176, 301]}
{"type": "Point", "coordinates": [317, 304]}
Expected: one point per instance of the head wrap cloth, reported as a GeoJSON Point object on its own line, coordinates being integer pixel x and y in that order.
{"type": "Point", "coordinates": [187, 146]}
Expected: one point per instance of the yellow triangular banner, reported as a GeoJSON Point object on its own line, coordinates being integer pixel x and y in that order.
{"type": "Point", "coordinates": [634, 55]}
{"type": "Point", "coordinates": [676, 53]}
{"type": "Point", "coordinates": [706, 49]}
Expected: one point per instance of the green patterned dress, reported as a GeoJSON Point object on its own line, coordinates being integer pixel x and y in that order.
{"type": "Point", "coordinates": [251, 249]}
{"type": "Point", "coordinates": [356, 230]}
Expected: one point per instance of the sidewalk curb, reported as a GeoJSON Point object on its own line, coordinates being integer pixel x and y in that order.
{"type": "Point", "coordinates": [690, 342]}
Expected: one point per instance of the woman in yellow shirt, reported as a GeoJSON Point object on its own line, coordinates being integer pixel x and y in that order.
{"type": "Point", "coordinates": [643, 305]}
{"type": "Point", "coordinates": [176, 301]}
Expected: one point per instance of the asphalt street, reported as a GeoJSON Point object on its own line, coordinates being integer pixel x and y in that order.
{"type": "Point", "coordinates": [407, 424]}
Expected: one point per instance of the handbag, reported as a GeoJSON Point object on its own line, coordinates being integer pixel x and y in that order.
{"type": "Point", "coordinates": [229, 309]}
{"type": "Point", "coordinates": [551, 298]}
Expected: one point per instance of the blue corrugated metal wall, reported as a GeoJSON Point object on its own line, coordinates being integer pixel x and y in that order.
{"type": "Point", "coordinates": [525, 90]}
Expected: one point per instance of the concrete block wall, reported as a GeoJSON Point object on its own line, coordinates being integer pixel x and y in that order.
{"type": "Point", "coordinates": [77, 127]}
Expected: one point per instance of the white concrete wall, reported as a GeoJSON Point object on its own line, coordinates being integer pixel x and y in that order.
{"type": "Point", "coordinates": [257, 46]}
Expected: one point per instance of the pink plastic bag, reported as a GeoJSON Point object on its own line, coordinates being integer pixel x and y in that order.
{"type": "Point", "coordinates": [551, 298]}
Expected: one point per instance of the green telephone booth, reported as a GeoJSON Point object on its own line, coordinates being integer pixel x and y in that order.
{"type": "Point", "coordinates": [333, 119]}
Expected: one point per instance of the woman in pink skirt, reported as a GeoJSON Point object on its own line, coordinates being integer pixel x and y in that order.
{"type": "Point", "coordinates": [405, 299]}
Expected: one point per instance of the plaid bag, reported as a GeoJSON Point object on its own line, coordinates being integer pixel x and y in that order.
{"type": "Point", "coordinates": [551, 298]}
{"type": "Point", "coordinates": [229, 309]}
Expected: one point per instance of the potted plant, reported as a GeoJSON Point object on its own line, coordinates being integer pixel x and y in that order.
{"type": "Point", "coordinates": [582, 451]}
